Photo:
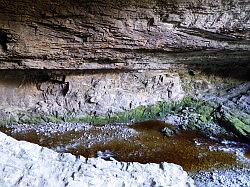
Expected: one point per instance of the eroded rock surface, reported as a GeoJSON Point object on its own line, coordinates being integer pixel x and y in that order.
{"type": "Point", "coordinates": [119, 34]}
{"type": "Point", "coordinates": [234, 177]}
{"type": "Point", "coordinates": [27, 164]}
{"type": "Point", "coordinates": [97, 93]}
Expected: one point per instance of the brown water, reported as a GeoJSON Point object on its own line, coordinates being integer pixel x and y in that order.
{"type": "Point", "coordinates": [152, 146]}
{"type": "Point", "coordinates": [247, 154]}
{"type": "Point", "coordinates": [147, 145]}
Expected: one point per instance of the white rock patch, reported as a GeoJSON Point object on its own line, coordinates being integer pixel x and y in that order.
{"type": "Point", "coordinates": [26, 164]}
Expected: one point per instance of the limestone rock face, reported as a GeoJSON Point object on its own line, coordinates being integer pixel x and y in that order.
{"type": "Point", "coordinates": [119, 34]}
{"type": "Point", "coordinates": [99, 93]}
{"type": "Point", "coordinates": [27, 164]}
{"type": "Point", "coordinates": [126, 37]}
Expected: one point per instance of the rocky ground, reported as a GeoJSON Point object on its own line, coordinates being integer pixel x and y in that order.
{"type": "Point", "coordinates": [237, 177]}
{"type": "Point", "coordinates": [233, 99]}
{"type": "Point", "coordinates": [62, 137]}
{"type": "Point", "coordinates": [18, 153]}
{"type": "Point", "coordinates": [67, 65]}
{"type": "Point", "coordinates": [232, 176]}
{"type": "Point", "coordinates": [27, 164]}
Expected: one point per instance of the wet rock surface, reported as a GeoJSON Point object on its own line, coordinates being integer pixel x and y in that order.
{"type": "Point", "coordinates": [208, 160]}
{"type": "Point", "coordinates": [27, 164]}
{"type": "Point", "coordinates": [94, 57]}
{"type": "Point", "coordinates": [140, 142]}
{"type": "Point", "coordinates": [216, 161]}
{"type": "Point", "coordinates": [233, 109]}
{"type": "Point", "coordinates": [223, 101]}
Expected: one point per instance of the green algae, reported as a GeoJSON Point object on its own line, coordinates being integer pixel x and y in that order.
{"type": "Point", "coordinates": [149, 112]}
{"type": "Point", "coordinates": [238, 125]}
{"type": "Point", "coordinates": [138, 114]}
{"type": "Point", "coordinates": [198, 115]}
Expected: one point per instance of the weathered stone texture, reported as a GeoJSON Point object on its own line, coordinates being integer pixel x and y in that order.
{"type": "Point", "coordinates": [116, 34]}
{"type": "Point", "coordinates": [26, 164]}
{"type": "Point", "coordinates": [89, 93]}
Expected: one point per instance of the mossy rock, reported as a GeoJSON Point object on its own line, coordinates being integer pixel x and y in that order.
{"type": "Point", "coordinates": [234, 124]}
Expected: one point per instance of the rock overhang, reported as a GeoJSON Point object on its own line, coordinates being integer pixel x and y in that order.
{"type": "Point", "coordinates": [120, 34]}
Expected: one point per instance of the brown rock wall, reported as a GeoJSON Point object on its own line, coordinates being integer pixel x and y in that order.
{"type": "Point", "coordinates": [116, 34]}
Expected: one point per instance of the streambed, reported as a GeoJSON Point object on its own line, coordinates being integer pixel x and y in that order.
{"type": "Point", "coordinates": [140, 142]}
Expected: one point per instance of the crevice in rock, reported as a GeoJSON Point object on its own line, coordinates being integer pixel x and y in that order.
{"type": "Point", "coordinates": [84, 37]}
{"type": "Point", "coordinates": [3, 40]}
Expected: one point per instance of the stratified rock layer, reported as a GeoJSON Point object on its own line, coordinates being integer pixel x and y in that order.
{"type": "Point", "coordinates": [119, 34]}
{"type": "Point", "coordinates": [126, 37]}
{"type": "Point", "coordinates": [27, 164]}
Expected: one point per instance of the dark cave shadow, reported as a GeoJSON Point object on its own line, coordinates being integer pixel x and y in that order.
{"type": "Point", "coordinates": [224, 64]}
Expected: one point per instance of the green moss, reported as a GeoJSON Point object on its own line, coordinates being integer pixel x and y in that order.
{"type": "Point", "coordinates": [141, 113]}
{"type": "Point", "coordinates": [138, 114]}
{"type": "Point", "coordinates": [3, 122]}
{"type": "Point", "coordinates": [32, 120]}
{"type": "Point", "coordinates": [6, 122]}
{"type": "Point", "coordinates": [196, 114]}
{"type": "Point", "coordinates": [238, 126]}
{"type": "Point", "coordinates": [150, 112]}
{"type": "Point", "coordinates": [235, 122]}
{"type": "Point", "coordinates": [245, 119]}
{"type": "Point", "coordinates": [203, 118]}
{"type": "Point", "coordinates": [52, 119]}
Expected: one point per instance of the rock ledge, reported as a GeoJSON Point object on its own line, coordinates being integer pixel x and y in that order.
{"type": "Point", "coordinates": [26, 164]}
